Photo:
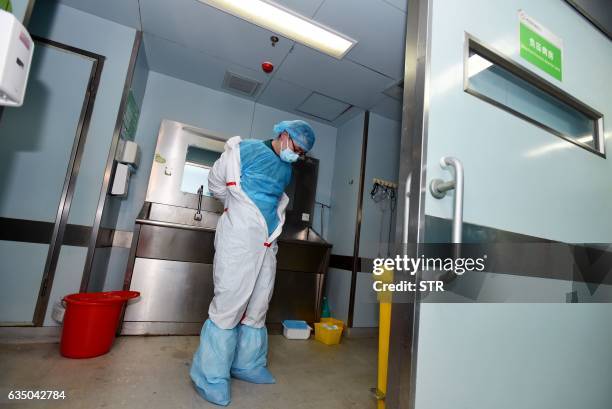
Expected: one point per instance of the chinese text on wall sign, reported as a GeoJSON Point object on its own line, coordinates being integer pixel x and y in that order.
{"type": "Point", "coordinates": [540, 46]}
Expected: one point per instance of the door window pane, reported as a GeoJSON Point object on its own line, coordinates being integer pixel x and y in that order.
{"type": "Point", "coordinates": [513, 88]}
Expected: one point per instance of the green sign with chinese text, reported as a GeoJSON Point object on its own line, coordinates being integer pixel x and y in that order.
{"type": "Point", "coordinates": [6, 5]}
{"type": "Point", "coordinates": [540, 47]}
{"type": "Point", "coordinates": [130, 118]}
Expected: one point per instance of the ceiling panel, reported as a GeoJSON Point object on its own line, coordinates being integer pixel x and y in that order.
{"type": "Point", "coordinates": [400, 4]}
{"type": "Point", "coordinates": [184, 63]}
{"type": "Point", "coordinates": [201, 27]}
{"type": "Point", "coordinates": [306, 8]}
{"type": "Point", "coordinates": [340, 79]}
{"type": "Point", "coordinates": [120, 11]}
{"type": "Point", "coordinates": [378, 27]}
{"type": "Point", "coordinates": [286, 96]}
{"type": "Point", "coordinates": [283, 95]}
{"type": "Point", "coordinates": [321, 106]}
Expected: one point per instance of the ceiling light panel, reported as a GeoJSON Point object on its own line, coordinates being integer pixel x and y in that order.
{"type": "Point", "coordinates": [277, 19]}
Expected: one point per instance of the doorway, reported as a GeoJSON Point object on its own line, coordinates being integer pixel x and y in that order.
{"type": "Point", "coordinates": [40, 160]}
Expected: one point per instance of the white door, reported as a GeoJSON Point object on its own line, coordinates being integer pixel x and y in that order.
{"type": "Point", "coordinates": [537, 170]}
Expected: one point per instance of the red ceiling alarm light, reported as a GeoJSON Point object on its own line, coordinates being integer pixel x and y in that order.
{"type": "Point", "coordinates": [267, 67]}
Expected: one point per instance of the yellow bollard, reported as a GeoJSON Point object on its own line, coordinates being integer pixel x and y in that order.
{"type": "Point", "coordinates": [384, 332]}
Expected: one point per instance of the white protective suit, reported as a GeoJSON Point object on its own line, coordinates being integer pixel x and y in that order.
{"type": "Point", "coordinates": [245, 259]}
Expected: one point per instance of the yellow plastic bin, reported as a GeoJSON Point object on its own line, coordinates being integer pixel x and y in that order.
{"type": "Point", "coordinates": [329, 331]}
{"type": "Point", "coordinates": [331, 320]}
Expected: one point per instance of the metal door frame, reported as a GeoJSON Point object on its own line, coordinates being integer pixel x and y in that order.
{"type": "Point", "coordinates": [403, 342]}
{"type": "Point", "coordinates": [97, 231]}
{"type": "Point", "coordinates": [72, 172]}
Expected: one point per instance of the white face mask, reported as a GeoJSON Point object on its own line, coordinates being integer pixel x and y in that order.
{"type": "Point", "coordinates": [287, 155]}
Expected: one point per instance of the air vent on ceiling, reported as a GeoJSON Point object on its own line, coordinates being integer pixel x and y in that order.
{"type": "Point", "coordinates": [242, 85]}
{"type": "Point", "coordinates": [396, 91]}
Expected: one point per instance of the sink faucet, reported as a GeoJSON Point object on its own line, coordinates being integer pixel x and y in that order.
{"type": "Point", "coordinates": [198, 214]}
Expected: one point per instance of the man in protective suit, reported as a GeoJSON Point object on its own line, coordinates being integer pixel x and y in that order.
{"type": "Point", "coordinates": [249, 178]}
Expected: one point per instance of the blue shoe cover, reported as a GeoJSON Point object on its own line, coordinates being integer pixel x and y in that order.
{"type": "Point", "coordinates": [210, 369]}
{"type": "Point", "coordinates": [251, 356]}
{"type": "Point", "coordinates": [260, 374]}
{"type": "Point", "coordinates": [219, 393]}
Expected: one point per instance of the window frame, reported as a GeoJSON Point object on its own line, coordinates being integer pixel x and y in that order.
{"type": "Point", "coordinates": [196, 165]}
{"type": "Point", "coordinates": [473, 44]}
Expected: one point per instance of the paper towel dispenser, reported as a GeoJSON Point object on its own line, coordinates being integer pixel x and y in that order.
{"type": "Point", "coordinates": [16, 49]}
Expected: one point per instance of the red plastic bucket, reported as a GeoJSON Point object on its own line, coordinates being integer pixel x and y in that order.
{"type": "Point", "coordinates": [90, 322]}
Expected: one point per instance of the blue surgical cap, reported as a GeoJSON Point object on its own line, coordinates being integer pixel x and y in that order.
{"type": "Point", "coordinates": [301, 133]}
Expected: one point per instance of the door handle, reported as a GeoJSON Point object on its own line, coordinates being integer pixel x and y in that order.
{"type": "Point", "coordinates": [406, 209]}
{"type": "Point", "coordinates": [438, 189]}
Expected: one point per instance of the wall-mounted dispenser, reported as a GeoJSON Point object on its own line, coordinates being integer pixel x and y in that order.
{"type": "Point", "coordinates": [128, 152]}
{"type": "Point", "coordinates": [16, 49]}
{"type": "Point", "coordinates": [121, 180]}
{"type": "Point", "coordinates": [128, 156]}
